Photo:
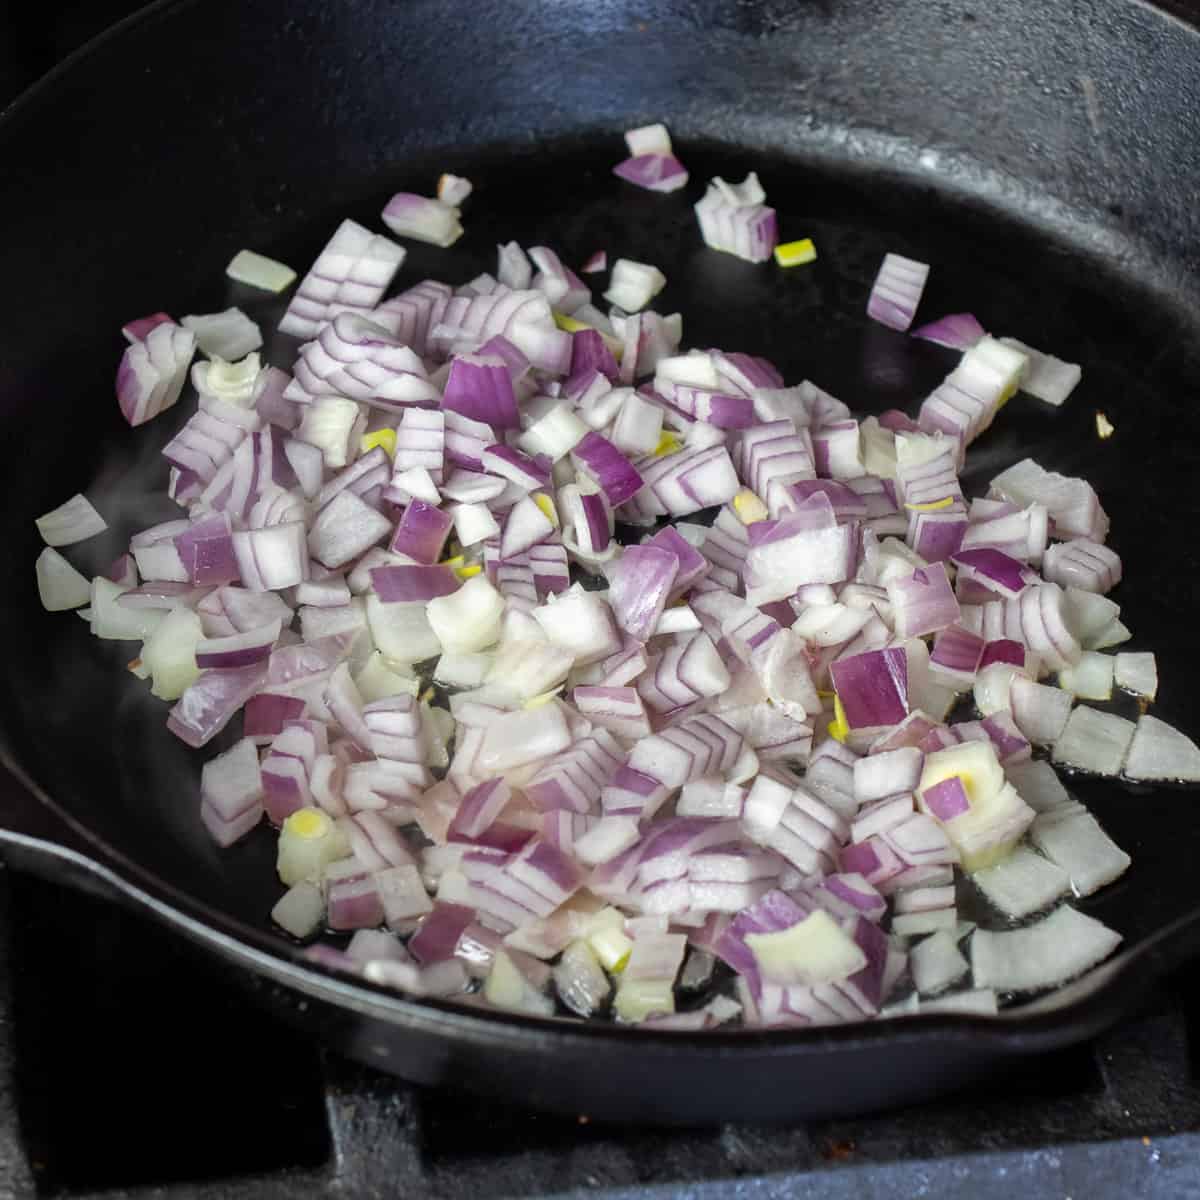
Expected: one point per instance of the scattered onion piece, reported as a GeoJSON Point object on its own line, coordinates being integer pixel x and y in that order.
{"type": "Point", "coordinates": [258, 271]}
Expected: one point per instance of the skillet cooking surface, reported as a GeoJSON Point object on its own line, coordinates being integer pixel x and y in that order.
{"type": "Point", "coordinates": [187, 189]}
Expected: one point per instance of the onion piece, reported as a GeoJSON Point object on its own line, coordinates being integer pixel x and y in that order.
{"type": "Point", "coordinates": [1046, 377]}
{"type": "Point", "coordinates": [452, 190]}
{"type": "Point", "coordinates": [469, 619]}
{"type": "Point", "coordinates": [227, 335]}
{"type": "Point", "coordinates": [935, 963]}
{"type": "Point", "coordinates": [1096, 741]}
{"type": "Point", "coordinates": [1158, 751]}
{"type": "Point", "coordinates": [735, 220]}
{"type": "Point", "coordinates": [640, 582]}
{"type": "Point", "coordinates": [1046, 954]}
{"type": "Point", "coordinates": [872, 687]}
{"type": "Point", "coordinates": [1091, 678]}
{"type": "Point", "coordinates": [1071, 837]}
{"type": "Point", "coordinates": [211, 702]}
{"type": "Point", "coordinates": [958, 331]}
{"type": "Point", "coordinates": [419, 217]}
{"type": "Point", "coordinates": [896, 292]}
{"type": "Point", "coordinates": [137, 329]}
{"type": "Point", "coordinates": [654, 172]}
{"type": "Point", "coordinates": [350, 275]}
{"type": "Point", "coordinates": [1137, 672]}
{"type": "Point", "coordinates": [632, 285]}
{"type": "Point", "coordinates": [1082, 564]}
{"type": "Point", "coordinates": [1040, 712]}
{"type": "Point", "coordinates": [923, 602]}
{"type": "Point", "coordinates": [152, 372]}
{"type": "Point", "coordinates": [60, 586]}
{"type": "Point", "coordinates": [1071, 503]}
{"type": "Point", "coordinates": [238, 650]}
{"type": "Point", "coordinates": [256, 270]}
{"type": "Point", "coordinates": [71, 522]}
{"type": "Point", "coordinates": [1022, 883]}
{"type": "Point", "coordinates": [480, 386]}
{"type": "Point", "coordinates": [421, 533]}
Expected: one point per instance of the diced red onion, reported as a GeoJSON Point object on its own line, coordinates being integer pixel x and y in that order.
{"type": "Point", "coordinates": [350, 275]}
{"type": "Point", "coordinates": [409, 215]}
{"type": "Point", "coordinates": [746, 229]}
{"type": "Point", "coordinates": [958, 331]}
{"type": "Point", "coordinates": [210, 703]}
{"type": "Point", "coordinates": [655, 172]}
{"type": "Point", "coordinates": [404, 583]}
{"type": "Point", "coordinates": [152, 372]}
{"type": "Point", "coordinates": [873, 687]}
{"type": "Point", "coordinates": [421, 533]}
{"type": "Point", "coordinates": [897, 290]}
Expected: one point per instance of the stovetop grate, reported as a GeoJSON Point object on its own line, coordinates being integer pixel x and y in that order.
{"type": "Point", "coordinates": [130, 1065]}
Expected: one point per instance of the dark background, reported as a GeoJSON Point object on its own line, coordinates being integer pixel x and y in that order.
{"type": "Point", "coordinates": [33, 37]}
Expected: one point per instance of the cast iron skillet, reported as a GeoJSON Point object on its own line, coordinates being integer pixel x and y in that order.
{"type": "Point", "coordinates": [1042, 156]}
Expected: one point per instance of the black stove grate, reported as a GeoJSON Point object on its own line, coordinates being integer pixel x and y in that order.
{"type": "Point", "coordinates": [131, 1066]}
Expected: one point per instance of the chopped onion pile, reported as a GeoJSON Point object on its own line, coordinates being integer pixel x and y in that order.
{"type": "Point", "coordinates": [713, 758]}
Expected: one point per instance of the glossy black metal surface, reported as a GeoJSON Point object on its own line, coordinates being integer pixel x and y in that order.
{"type": "Point", "coordinates": [1043, 157]}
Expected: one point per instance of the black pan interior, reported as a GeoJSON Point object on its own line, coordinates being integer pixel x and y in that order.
{"type": "Point", "coordinates": [1056, 210]}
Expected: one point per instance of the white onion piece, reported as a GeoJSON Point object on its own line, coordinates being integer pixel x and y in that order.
{"type": "Point", "coordinates": [1038, 784]}
{"type": "Point", "coordinates": [555, 434]}
{"type": "Point", "coordinates": [377, 680]}
{"type": "Point", "coordinates": [402, 632]}
{"type": "Point", "coordinates": [936, 962]}
{"type": "Point", "coordinates": [71, 522]}
{"type": "Point", "coordinates": [1023, 882]}
{"type": "Point", "coordinates": [1095, 741]}
{"type": "Point", "coordinates": [1072, 838]}
{"type": "Point", "coordinates": [258, 271]}
{"type": "Point", "coordinates": [169, 653]}
{"type": "Point", "coordinates": [648, 139]}
{"type": "Point", "coordinates": [524, 736]}
{"type": "Point", "coordinates": [452, 190]}
{"type": "Point", "coordinates": [116, 621]}
{"type": "Point", "coordinates": [416, 483]}
{"type": "Point", "coordinates": [977, 1001]}
{"type": "Point", "coordinates": [1160, 752]}
{"type": "Point", "coordinates": [1088, 614]}
{"type": "Point", "coordinates": [1112, 635]}
{"type": "Point", "coordinates": [606, 839]}
{"type": "Point", "coordinates": [469, 619]}
{"type": "Point", "coordinates": [632, 285]}
{"type": "Point", "coordinates": [228, 335]}
{"type": "Point", "coordinates": [60, 586]}
{"type": "Point", "coordinates": [580, 622]}
{"type": "Point", "coordinates": [1137, 672]}
{"type": "Point", "coordinates": [473, 523]}
{"type": "Point", "coordinates": [1046, 377]}
{"type": "Point", "coordinates": [422, 218]}
{"type": "Point", "coordinates": [1046, 954]}
{"type": "Point", "coordinates": [345, 529]}
{"type": "Point", "coordinates": [463, 670]}
{"type": "Point", "coordinates": [1091, 678]}
{"type": "Point", "coordinates": [301, 910]}
{"type": "Point", "coordinates": [333, 424]}
{"type": "Point", "coordinates": [529, 668]}
{"type": "Point", "coordinates": [1040, 712]}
